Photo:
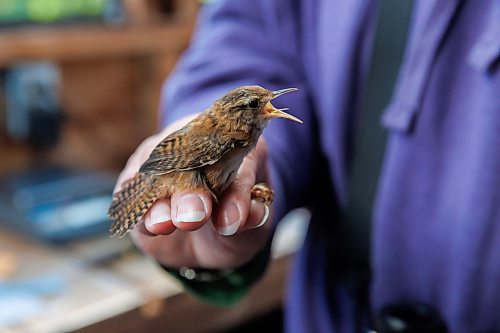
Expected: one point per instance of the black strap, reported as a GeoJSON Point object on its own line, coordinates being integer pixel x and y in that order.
{"type": "Point", "coordinates": [370, 137]}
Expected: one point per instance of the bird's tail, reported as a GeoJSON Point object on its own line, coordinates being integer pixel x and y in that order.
{"type": "Point", "coordinates": [132, 202]}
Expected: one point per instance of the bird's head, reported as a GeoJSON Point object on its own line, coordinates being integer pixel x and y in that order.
{"type": "Point", "coordinates": [252, 104]}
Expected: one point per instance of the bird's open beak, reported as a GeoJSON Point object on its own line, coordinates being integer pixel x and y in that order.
{"type": "Point", "coordinates": [277, 93]}
{"type": "Point", "coordinates": [272, 112]}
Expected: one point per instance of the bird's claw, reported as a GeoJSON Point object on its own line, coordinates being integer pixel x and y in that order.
{"type": "Point", "coordinates": [263, 193]}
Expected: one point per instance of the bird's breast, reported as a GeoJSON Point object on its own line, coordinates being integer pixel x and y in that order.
{"type": "Point", "coordinates": [222, 173]}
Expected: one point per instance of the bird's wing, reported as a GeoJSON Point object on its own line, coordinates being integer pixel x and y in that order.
{"type": "Point", "coordinates": [185, 150]}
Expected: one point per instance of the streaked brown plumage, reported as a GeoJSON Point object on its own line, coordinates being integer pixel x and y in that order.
{"type": "Point", "coordinates": [202, 156]}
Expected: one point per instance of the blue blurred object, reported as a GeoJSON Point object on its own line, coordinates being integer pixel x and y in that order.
{"type": "Point", "coordinates": [14, 307]}
{"type": "Point", "coordinates": [33, 106]}
{"type": "Point", "coordinates": [20, 299]}
{"type": "Point", "coordinates": [43, 285]}
{"type": "Point", "coordinates": [56, 204]}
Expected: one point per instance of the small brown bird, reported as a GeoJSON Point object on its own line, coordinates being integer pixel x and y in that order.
{"type": "Point", "coordinates": [204, 155]}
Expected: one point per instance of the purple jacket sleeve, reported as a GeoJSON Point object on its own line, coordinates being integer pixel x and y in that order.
{"type": "Point", "coordinates": [241, 42]}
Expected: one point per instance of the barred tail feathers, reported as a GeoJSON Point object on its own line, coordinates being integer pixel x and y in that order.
{"type": "Point", "coordinates": [132, 202]}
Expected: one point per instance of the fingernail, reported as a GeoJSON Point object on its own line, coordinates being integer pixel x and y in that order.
{"type": "Point", "coordinates": [190, 208]}
{"type": "Point", "coordinates": [159, 213]}
{"type": "Point", "coordinates": [232, 220]}
{"type": "Point", "coordinates": [265, 217]}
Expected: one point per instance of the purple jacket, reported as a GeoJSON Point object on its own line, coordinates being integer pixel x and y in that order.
{"type": "Point", "coordinates": [437, 218]}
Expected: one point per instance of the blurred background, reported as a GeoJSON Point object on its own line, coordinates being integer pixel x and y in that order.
{"type": "Point", "coordinates": [80, 83]}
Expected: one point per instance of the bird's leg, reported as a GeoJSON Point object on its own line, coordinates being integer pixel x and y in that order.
{"type": "Point", "coordinates": [263, 193]}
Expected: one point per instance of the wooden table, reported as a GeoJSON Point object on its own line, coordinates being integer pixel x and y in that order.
{"type": "Point", "coordinates": [110, 287]}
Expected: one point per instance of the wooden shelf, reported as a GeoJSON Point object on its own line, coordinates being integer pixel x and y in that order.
{"type": "Point", "coordinates": [59, 44]}
{"type": "Point", "coordinates": [111, 79]}
{"type": "Point", "coordinates": [81, 42]}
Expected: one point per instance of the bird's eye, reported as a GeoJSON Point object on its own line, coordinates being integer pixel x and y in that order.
{"type": "Point", "coordinates": [254, 103]}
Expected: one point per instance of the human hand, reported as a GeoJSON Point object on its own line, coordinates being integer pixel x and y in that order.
{"type": "Point", "coordinates": [188, 229]}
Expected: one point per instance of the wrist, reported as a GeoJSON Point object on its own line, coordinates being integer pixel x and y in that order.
{"type": "Point", "coordinates": [222, 287]}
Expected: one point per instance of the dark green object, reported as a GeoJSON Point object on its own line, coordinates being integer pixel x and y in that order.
{"type": "Point", "coordinates": [222, 287]}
